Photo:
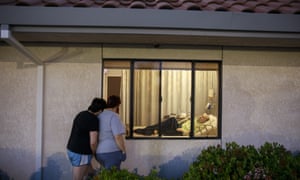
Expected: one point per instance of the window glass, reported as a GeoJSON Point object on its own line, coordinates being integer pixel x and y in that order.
{"type": "Point", "coordinates": [146, 98]}
{"type": "Point", "coordinates": [166, 99]}
{"type": "Point", "coordinates": [176, 95]}
{"type": "Point", "coordinates": [116, 79]}
{"type": "Point", "coordinates": [206, 98]}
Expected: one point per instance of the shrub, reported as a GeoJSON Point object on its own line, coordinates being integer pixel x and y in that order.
{"type": "Point", "coordinates": [105, 174]}
{"type": "Point", "coordinates": [113, 174]}
{"type": "Point", "coordinates": [270, 161]}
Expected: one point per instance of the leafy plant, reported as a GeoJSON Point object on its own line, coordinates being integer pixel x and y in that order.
{"type": "Point", "coordinates": [270, 161]}
{"type": "Point", "coordinates": [278, 162]}
{"type": "Point", "coordinates": [114, 174]}
{"type": "Point", "coordinates": [153, 175]}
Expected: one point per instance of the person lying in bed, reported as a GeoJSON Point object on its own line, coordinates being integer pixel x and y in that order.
{"type": "Point", "coordinates": [168, 128]}
{"type": "Point", "coordinates": [173, 126]}
{"type": "Point", "coordinates": [199, 122]}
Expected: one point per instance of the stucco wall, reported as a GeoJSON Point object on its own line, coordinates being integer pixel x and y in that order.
{"type": "Point", "coordinates": [261, 97]}
{"type": "Point", "coordinates": [71, 79]}
{"type": "Point", "coordinates": [17, 119]}
{"type": "Point", "coordinates": [261, 102]}
{"type": "Point", "coordinates": [69, 88]}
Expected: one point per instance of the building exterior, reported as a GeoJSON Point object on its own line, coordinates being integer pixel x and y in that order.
{"type": "Point", "coordinates": [51, 67]}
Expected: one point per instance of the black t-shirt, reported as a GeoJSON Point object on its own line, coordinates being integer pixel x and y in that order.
{"type": "Point", "coordinates": [79, 140]}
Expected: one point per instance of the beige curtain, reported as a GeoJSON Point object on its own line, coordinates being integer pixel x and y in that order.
{"type": "Point", "coordinates": [176, 93]}
{"type": "Point", "coordinates": [125, 93]}
{"type": "Point", "coordinates": [146, 97]}
{"type": "Point", "coordinates": [205, 81]}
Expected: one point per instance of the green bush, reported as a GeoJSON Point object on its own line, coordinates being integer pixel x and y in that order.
{"type": "Point", "coordinates": [270, 161]}
{"type": "Point", "coordinates": [124, 174]}
{"type": "Point", "coordinates": [115, 174]}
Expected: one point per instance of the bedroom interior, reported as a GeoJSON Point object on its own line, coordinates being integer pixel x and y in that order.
{"type": "Point", "coordinates": [162, 90]}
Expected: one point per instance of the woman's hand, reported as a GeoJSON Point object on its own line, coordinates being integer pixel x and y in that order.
{"type": "Point", "coordinates": [123, 156]}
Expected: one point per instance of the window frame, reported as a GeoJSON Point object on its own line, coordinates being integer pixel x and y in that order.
{"type": "Point", "coordinates": [131, 94]}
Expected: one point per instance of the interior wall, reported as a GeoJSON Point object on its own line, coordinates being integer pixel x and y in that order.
{"type": "Point", "coordinates": [261, 97]}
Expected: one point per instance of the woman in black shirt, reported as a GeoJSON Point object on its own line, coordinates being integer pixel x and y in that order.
{"type": "Point", "coordinates": [83, 139]}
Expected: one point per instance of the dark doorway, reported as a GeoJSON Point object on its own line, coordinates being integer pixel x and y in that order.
{"type": "Point", "coordinates": [114, 86]}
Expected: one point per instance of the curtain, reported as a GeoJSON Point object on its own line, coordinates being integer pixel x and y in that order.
{"type": "Point", "coordinates": [176, 93]}
{"type": "Point", "coordinates": [146, 97]}
{"type": "Point", "coordinates": [205, 81]}
{"type": "Point", "coordinates": [125, 93]}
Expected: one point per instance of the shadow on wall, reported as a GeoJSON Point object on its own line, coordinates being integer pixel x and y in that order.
{"type": "Point", "coordinates": [174, 169]}
{"type": "Point", "coordinates": [58, 167]}
{"type": "Point", "coordinates": [20, 164]}
{"type": "Point", "coordinates": [4, 175]}
{"type": "Point", "coordinates": [16, 163]}
{"type": "Point", "coordinates": [179, 165]}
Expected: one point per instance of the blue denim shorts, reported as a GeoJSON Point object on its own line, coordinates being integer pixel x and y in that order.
{"type": "Point", "coordinates": [79, 159]}
{"type": "Point", "coordinates": [112, 159]}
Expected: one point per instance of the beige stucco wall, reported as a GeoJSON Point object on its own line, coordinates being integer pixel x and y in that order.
{"type": "Point", "coordinates": [17, 119]}
{"type": "Point", "coordinates": [69, 88]}
{"type": "Point", "coordinates": [261, 97]}
{"type": "Point", "coordinates": [71, 79]}
{"type": "Point", "coordinates": [261, 101]}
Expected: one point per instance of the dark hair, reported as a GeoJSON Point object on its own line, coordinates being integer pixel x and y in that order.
{"type": "Point", "coordinates": [113, 101]}
{"type": "Point", "coordinates": [97, 105]}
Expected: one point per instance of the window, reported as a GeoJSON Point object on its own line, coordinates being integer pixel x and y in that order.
{"type": "Point", "coordinates": [166, 99]}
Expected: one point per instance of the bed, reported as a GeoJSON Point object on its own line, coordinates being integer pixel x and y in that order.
{"type": "Point", "coordinates": [170, 127]}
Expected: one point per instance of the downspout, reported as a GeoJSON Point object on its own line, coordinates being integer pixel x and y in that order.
{"type": "Point", "coordinates": [7, 37]}
{"type": "Point", "coordinates": [39, 122]}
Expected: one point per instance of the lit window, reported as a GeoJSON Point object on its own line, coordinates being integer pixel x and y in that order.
{"type": "Point", "coordinates": [165, 99]}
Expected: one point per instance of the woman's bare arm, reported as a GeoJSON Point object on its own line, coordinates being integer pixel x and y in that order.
{"type": "Point", "coordinates": [120, 140]}
{"type": "Point", "coordinates": [94, 141]}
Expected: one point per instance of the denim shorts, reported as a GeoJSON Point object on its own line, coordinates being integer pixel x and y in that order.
{"type": "Point", "coordinates": [111, 159]}
{"type": "Point", "coordinates": [79, 159]}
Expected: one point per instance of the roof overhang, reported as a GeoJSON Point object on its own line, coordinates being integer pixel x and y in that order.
{"type": "Point", "coordinates": [146, 26]}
